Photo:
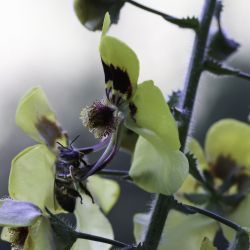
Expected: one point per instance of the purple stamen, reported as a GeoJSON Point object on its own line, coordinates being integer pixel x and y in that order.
{"type": "Point", "coordinates": [95, 148]}
{"type": "Point", "coordinates": [108, 154]}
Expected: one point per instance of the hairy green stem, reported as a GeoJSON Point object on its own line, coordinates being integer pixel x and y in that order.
{"type": "Point", "coordinates": [196, 65]}
{"type": "Point", "coordinates": [111, 172]}
{"type": "Point", "coordinates": [159, 215]}
{"type": "Point", "coordinates": [191, 23]}
{"type": "Point", "coordinates": [218, 68]}
{"type": "Point", "coordinates": [216, 217]}
{"type": "Point", "coordinates": [124, 175]}
{"type": "Point", "coordinates": [99, 239]}
{"type": "Point", "coordinates": [163, 205]}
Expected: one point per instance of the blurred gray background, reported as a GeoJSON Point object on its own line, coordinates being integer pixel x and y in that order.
{"type": "Point", "coordinates": [43, 43]}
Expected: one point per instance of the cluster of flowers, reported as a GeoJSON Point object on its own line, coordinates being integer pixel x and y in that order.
{"type": "Point", "coordinates": [224, 165]}
{"type": "Point", "coordinates": [54, 176]}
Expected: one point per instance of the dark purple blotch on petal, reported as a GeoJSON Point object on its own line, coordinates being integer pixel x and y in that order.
{"type": "Point", "coordinates": [18, 237]}
{"type": "Point", "coordinates": [50, 131]}
{"type": "Point", "coordinates": [224, 167]}
{"type": "Point", "coordinates": [120, 79]}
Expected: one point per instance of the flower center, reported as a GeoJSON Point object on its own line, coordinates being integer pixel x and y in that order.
{"type": "Point", "coordinates": [100, 118]}
{"type": "Point", "coordinates": [18, 237]}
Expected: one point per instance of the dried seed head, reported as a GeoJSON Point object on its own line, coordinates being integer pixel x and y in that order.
{"type": "Point", "coordinates": [100, 118]}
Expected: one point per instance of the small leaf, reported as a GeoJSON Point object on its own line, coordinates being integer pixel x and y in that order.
{"type": "Point", "coordinates": [91, 13]}
{"type": "Point", "coordinates": [158, 170]}
{"type": "Point", "coordinates": [207, 244]}
{"type": "Point", "coordinates": [221, 47]}
{"type": "Point", "coordinates": [240, 242]}
{"type": "Point", "coordinates": [18, 213]}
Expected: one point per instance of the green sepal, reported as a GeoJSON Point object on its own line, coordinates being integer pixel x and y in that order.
{"type": "Point", "coordinates": [91, 12]}
{"type": "Point", "coordinates": [32, 176]}
{"type": "Point", "coordinates": [158, 170]}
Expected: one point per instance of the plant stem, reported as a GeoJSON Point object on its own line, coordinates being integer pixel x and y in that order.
{"type": "Point", "coordinates": [183, 23]}
{"type": "Point", "coordinates": [116, 173]}
{"type": "Point", "coordinates": [163, 205]}
{"type": "Point", "coordinates": [159, 13]}
{"type": "Point", "coordinates": [99, 239]}
{"type": "Point", "coordinates": [218, 68]}
{"type": "Point", "coordinates": [157, 222]}
{"type": "Point", "coordinates": [216, 217]}
{"type": "Point", "coordinates": [196, 65]}
{"type": "Point", "coordinates": [111, 172]}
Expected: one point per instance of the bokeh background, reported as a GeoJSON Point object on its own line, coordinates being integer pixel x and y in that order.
{"type": "Point", "coordinates": [43, 43]}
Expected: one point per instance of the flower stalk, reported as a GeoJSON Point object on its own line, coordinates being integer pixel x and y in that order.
{"type": "Point", "coordinates": [216, 217]}
{"type": "Point", "coordinates": [191, 23]}
{"type": "Point", "coordinates": [99, 239]}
